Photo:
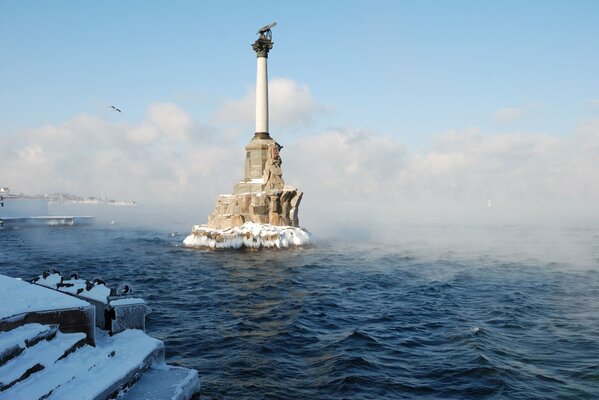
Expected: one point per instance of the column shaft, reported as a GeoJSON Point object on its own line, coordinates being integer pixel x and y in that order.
{"type": "Point", "coordinates": [262, 96]}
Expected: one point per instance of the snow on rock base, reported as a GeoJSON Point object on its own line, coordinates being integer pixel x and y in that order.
{"type": "Point", "coordinates": [250, 234]}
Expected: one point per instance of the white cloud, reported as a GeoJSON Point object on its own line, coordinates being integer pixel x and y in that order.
{"type": "Point", "coordinates": [368, 178]}
{"type": "Point", "coordinates": [171, 121]}
{"type": "Point", "coordinates": [349, 177]}
{"type": "Point", "coordinates": [291, 106]}
{"type": "Point", "coordinates": [159, 160]}
{"type": "Point", "coordinates": [511, 114]}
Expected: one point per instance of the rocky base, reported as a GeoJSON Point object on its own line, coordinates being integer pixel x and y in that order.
{"type": "Point", "coordinates": [278, 208]}
{"type": "Point", "coordinates": [249, 235]}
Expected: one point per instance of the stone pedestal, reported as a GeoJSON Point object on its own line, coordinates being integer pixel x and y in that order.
{"type": "Point", "coordinates": [264, 198]}
{"type": "Point", "coordinates": [256, 153]}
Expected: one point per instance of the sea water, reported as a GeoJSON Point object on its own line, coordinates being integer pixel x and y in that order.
{"type": "Point", "coordinates": [425, 312]}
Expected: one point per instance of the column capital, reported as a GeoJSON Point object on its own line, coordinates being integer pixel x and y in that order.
{"type": "Point", "coordinates": [261, 46]}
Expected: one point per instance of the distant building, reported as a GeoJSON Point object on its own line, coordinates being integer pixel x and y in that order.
{"type": "Point", "coordinates": [4, 190]}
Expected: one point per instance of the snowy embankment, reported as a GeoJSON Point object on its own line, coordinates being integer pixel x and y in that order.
{"type": "Point", "coordinates": [50, 349]}
{"type": "Point", "coordinates": [250, 235]}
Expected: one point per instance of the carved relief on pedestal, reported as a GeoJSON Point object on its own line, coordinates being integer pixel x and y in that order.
{"type": "Point", "coordinates": [273, 173]}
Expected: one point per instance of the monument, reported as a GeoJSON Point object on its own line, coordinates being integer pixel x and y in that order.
{"type": "Point", "coordinates": [262, 208]}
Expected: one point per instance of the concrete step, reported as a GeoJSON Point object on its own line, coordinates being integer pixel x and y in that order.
{"type": "Point", "coordinates": [26, 304]}
{"type": "Point", "coordinates": [164, 383]}
{"type": "Point", "coordinates": [12, 343]}
{"type": "Point", "coordinates": [38, 357]}
{"type": "Point", "coordinates": [92, 373]}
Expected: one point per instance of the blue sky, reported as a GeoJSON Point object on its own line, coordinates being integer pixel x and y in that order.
{"type": "Point", "coordinates": [441, 102]}
{"type": "Point", "coordinates": [409, 69]}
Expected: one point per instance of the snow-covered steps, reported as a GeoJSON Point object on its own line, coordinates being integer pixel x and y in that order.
{"type": "Point", "coordinates": [164, 383]}
{"type": "Point", "coordinates": [37, 358]}
{"type": "Point", "coordinates": [22, 303]}
{"type": "Point", "coordinates": [129, 365]}
{"type": "Point", "coordinates": [100, 372]}
{"type": "Point", "coordinates": [12, 343]}
{"type": "Point", "coordinates": [86, 373]}
{"type": "Point", "coordinates": [46, 351]}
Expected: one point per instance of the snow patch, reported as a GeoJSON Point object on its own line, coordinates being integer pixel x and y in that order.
{"type": "Point", "coordinates": [127, 301]}
{"type": "Point", "coordinates": [90, 372]}
{"type": "Point", "coordinates": [18, 297]}
{"type": "Point", "coordinates": [79, 287]}
{"type": "Point", "coordinates": [20, 335]}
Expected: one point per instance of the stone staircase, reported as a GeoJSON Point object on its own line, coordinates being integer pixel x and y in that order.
{"type": "Point", "coordinates": [40, 361]}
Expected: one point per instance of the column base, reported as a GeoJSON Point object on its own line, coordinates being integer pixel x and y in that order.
{"type": "Point", "coordinates": [261, 135]}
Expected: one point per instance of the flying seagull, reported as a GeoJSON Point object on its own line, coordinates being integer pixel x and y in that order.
{"type": "Point", "coordinates": [116, 109]}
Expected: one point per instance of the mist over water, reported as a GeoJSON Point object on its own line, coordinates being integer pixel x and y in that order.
{"type": "Point", "coordinates": [432, 311]}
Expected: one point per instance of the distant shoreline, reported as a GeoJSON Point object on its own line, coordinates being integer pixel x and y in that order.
{"type": "Point", "coordinates": [67, 198]}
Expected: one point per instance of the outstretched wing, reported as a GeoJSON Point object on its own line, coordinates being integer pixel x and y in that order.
{"type": "Point", "coordinates": [266, 28]}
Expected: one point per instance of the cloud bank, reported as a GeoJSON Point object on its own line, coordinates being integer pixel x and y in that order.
{"type": "Point", "coordinates": [291, 106]}
{"type": "Point", "coordinates": [350, 177]}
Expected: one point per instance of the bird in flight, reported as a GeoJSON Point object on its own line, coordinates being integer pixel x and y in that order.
{"type": "Point", "coordinates": [116, 109]}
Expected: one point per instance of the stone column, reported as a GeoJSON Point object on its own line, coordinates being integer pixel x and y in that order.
{"type": "Point", "coordinates": [262, 47]}
{"type": "Point", "coordinates": [262, 96]}
{"type": "Point", "coordinates": [257, 149]}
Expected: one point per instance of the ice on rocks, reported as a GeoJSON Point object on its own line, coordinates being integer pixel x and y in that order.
{"type": "Point", "coordinates": [251, 235]}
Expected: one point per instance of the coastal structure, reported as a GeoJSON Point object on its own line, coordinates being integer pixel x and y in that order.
{"type": "Point", "coordinates": [261, 204]}
{"type": "Point", "coordinates": [69, 338]}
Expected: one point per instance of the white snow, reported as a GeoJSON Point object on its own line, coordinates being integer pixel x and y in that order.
{"type": "Point", "coordinates": [17, 336]}
{"type": "Point", "coordinates": [248, 235]}
{"type": "Point", "coordinates": [18, 297]}
{"type": "Point", "coordinates": [45, 353]}
{"type": "Point", "coordinates": [98, 292]}
{"type": "Point", "coordinates": [90, 371]}
{"type": "Point", "coordinates": [51, 281]}
{"type": "Point", "coordinates": [127, 301]}
{"type": "Point", "coordinates": [163, 382]}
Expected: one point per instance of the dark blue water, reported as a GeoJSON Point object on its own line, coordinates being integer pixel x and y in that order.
{"type": "Point", "coordinates": [418, 317]}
